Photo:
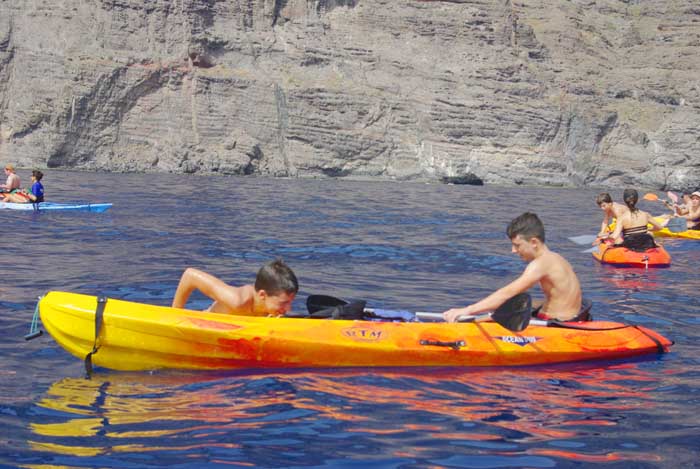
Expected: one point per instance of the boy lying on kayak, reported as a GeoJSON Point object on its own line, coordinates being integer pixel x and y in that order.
{"type": "Point", "coordinates": [272, 294]}
{"type": "Point", "coordinates": [555, 275]}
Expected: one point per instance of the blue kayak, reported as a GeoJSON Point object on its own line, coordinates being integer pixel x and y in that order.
{"type": "Point", "coordinates": [40, 207]}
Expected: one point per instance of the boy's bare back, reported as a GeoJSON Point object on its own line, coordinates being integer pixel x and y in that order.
{"type": "Point", "coordinates": [559, 284]}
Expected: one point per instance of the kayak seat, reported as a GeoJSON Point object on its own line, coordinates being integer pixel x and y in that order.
{"type": "Point", "coordinates": [348, 311]}
{"type": "Point", "coordinates": [583, 315]}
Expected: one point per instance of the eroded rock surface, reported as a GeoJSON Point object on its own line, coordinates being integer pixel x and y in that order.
{"type": "Point", "coordinates": [559, 92]}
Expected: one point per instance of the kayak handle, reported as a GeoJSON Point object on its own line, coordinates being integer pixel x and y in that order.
{"type": "Point", "coordinates": [33, 335]}
{"type": "Point", "coordinates": [456, 345]}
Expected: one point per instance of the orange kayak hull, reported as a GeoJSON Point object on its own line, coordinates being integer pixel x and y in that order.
{"type": "Point", "coordinates": [137, 336]}
{"type": "Point", "coordinates": [623, 257]}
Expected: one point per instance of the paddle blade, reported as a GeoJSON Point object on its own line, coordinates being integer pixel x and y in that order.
{"type": "Point", "coordinates": [318, 302]}
{"type": "Point", "coordinates": [590, 250]}
{"type": "Point", "coordinates": [672, 196]}
{"type": "Point", "coordinates": [583, 239]}
{"type": "Point", "coordinates": [676, 225]}
{"type": "Point", "coordinates": [650, 196]}
{"type": "Point", "coordinates": [514, 314]}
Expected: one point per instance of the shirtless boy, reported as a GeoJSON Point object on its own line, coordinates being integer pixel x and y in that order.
{"type": "Point", "coordinates": [555, 275]}
{"type": "Point", "coordinates": [12, 183]}
{"type": "Point", "coordinates": [272, 294]}
{"type": "Point", "coordinates": [611, 210]}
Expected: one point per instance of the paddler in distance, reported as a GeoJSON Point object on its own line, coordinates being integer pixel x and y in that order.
{"type": "Point", "coordinates": [12, 183]}
{"type": "Point", "coordinates": [272, 294]}
{"type": "Point", "coordinates": [692, 216]}
{"type": "Point", "coordinates": [555, 275]}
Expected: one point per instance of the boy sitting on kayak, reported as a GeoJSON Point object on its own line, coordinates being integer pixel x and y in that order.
{"type": "Point", "coordinates": [272, 294]}
{"type": "Point", "coordinates": [555, 275]}
{"type": "Point", "coordinates": [612, 210]}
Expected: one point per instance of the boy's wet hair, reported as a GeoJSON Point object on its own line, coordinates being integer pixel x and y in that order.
{"type": "Point", "coordinates": [528, 226]}
{"type": "Point", "coordinates": [276, 277]}
{"type": "Point", "coordinates": [603, 197]}
{"type": "Point", "coordinates": [37, 174]}
{"type": "Point", "coordinates": [630, 196]}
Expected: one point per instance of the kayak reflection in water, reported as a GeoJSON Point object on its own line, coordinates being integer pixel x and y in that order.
{"type": "Point", "coordinates": [554, 274]}
{"type": "Point", "coordinates": [272, 294]}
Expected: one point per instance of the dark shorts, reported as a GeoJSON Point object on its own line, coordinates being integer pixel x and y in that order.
{"type": "Point", "coordinates": [583, 315]}
{"type": "Point", "coordinates": [638, 242]}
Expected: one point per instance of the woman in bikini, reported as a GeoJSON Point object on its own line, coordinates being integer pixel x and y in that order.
{"type": "Point", "coordinates": [631, 229]}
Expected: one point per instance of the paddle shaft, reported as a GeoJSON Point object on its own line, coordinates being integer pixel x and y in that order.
{"type": "Point", "coordinates": [462, 318]}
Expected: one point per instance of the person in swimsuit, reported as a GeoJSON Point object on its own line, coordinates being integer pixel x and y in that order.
{"type": "Point", "coordinates": [34, 195]}
{"type": "Point", "coordinates": [12, 183]}
{"type": "Point", "coordinates": [631, 228]}
{"type": "Point", "coordinates": [554, 274]}
{"type": "Point", "coordinates": [679, 209]}
{"type": "Point", "coordinates": [272, 294]}
{"type": "Point", "coordinates": [693, 215]}
{"type": "Point", "coordinates": [611, 210]}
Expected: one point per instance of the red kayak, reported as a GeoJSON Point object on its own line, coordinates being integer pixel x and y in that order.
{"type": "Point", "coordinates": [623, 257]}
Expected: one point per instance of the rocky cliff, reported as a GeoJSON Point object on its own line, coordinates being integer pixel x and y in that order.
{"type": "Point", "coordinates": [563, 92]}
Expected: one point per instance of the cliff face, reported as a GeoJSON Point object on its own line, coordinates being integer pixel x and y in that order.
{"type": "Point", "coordinates": [602, 92]}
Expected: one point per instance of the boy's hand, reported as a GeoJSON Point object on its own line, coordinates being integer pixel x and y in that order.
{"type": "Point", "coordinates": [451, 315]}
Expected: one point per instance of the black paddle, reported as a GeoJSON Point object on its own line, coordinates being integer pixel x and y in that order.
{"type": "Point", "coordinates": [316, 303]}
{"type": "Point", "coordinates": [513, 315]}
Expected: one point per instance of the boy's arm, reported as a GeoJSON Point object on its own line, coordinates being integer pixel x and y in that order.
{"type": "Point", "coordinates": [604, 226]}
{"type": "Point", "coordinates": [209, 285]}
{"type": "Point", "coordinates": [527, 279]}
{"type": "Point", "coordinates": [681, 209]}
{"type": "Point", "coordinates": [618, 230]}
{"type": "Point", "coordinates": [692, 214]}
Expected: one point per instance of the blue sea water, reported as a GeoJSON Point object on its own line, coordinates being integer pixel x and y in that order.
{"type": "Point", "coordinates": [398, 246]}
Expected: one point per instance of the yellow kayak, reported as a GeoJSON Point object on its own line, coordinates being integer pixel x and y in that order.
{"type": "Point", "coordinates": [666, 233]}
{"type": "Point", "coordinates": [136, 336]}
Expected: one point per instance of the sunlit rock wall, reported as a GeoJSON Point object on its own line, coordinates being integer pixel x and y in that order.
{"type": "Point", "coordinates": [539, 92]}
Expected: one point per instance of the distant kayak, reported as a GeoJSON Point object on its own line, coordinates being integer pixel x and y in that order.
{"type": "Point", "coordinates": [623, 257]}
{"type": "Point", "coordinates": [55, 206]}
{"type": "Point", "coordinates": [137, 336]}
{"type": "Point", "coordinates": [667, 233]}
